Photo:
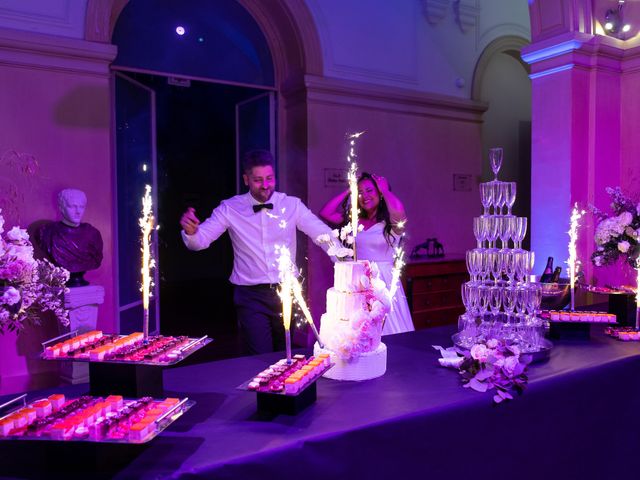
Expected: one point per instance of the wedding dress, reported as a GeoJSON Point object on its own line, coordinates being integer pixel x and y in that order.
{"type": "Point", "coordinates": [371, 245]}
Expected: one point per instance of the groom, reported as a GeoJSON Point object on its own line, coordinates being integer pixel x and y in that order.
{"type": "Point", "coordinates": [257, 221]}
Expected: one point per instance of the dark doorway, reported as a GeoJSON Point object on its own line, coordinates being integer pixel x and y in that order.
{"type": "Point", "coordinates": [196, 167]}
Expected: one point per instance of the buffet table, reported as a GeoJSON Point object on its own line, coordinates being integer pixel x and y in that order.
{"type": "Point", "coordinates": [579, 418]}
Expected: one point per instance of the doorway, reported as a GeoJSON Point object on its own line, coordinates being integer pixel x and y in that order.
{"type": "Point", "coordinates": [201, 130]}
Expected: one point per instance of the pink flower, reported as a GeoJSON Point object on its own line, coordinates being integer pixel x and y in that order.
{"type": "Point", "coordinates": [624, 246]}
{"type": "Point", "coordinates": [492, 343]}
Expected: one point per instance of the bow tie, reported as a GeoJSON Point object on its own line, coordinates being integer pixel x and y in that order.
{"type": "Point", "coordinates": [260, 206]}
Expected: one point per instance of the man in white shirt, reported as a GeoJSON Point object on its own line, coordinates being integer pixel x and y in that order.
{"type": "Point", "coordinates": [257, 221]}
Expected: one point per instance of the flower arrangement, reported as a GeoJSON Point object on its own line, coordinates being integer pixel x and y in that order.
{"type": "Point", "coordinates": [489, 364]}
{"type": "Point", "coordinates": [617, 234]}
{"type": "Point", "coordinates": [363, 334]}
{"type": "Point", "coordinates": [340, 242]}
{"type": "Point", "coordinates": [28, 287]}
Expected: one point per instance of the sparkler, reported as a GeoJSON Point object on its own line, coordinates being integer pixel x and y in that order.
{"type": "Point", "coordinates": [352, 177]}
{"type": "Point", "coordinates": [285, 291]}
{"type": "Point", "coordinates": [146, 224]}
{"type": "Point", "coordinates": [573, 262]}
{"type": "Point", "coordinates": [396, 272]}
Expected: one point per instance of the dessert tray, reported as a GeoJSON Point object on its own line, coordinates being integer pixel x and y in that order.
{"type": "Point", "coordinates": [608, 290]}
{"type": "Point", "coordinates": [288, 387]}
{"type": "Point", "coordinates": [562, 316]}
{"type": "Point", "coordinates": [95, 346]}
{"type": "Point", "coordinates": [624, 334]}
{"type": "Point", "coordinates": [289, 379]}
{"type": "Point", "coordinates": [110, 419]}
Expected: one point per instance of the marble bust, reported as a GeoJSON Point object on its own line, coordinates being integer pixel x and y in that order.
{"type": "Point", "coordinates": [70, 243]}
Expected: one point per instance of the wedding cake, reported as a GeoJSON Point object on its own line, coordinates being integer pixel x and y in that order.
{"type": "Point", "coordinates": [352, 326]}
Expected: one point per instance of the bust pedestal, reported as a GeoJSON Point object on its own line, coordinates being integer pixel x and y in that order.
{"type": "Point", "coordinates": [82, 303]}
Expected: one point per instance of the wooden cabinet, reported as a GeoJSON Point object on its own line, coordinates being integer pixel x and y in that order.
{"type": "Point", "coordinates": [433, 290]}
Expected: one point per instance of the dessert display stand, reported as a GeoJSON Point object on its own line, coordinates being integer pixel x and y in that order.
{"type": "Point", "coordinates": [569, 330]}
{"type": "Point", "coordinates": [76, 455]}
{"type": "Point", "coordinates": [623, 306]}
{"type": "Point", "coordinates": [126, 377]}
{"type": "Point", "coordinates": [281, 403]}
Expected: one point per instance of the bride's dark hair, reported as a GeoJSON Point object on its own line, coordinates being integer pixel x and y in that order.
{"type": "Point", "coordinates": [382, 213]}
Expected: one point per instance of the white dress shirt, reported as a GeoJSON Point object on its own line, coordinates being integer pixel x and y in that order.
{"type": "Point", "coordinates": [254, 235]}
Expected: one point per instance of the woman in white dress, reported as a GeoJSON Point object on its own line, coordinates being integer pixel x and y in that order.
{"type": "Point", "coordinates": [382, 216]}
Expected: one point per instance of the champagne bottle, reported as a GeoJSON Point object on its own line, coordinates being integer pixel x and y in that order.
{"type": "Point", "coordinates": [555, 278]}
{"type": "Point", "coordinates": [548, 271]}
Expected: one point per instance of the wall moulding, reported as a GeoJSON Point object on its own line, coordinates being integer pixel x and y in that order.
{"type": "Point", "coordinates": [594, 52]}
{"type": "Point", "coordinates": [28, 49]}
{"type": "Point", "coordinates": [328, 91]}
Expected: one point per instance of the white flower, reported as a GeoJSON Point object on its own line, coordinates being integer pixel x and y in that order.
{"type": "Point", "coordinates": [479, 352]}
{"type": "Point", "coordinates": [510, 364]}
{"type": "Point", "coordinates": [374, 269]}
{"type": "Point", "coordinates": [11, 296]}
{"type": "Point", "coordinates": [344, 231]}
{"type": "Point", "coordinates": [335, 233]}
{"type": "Point", "coordinates": [623, 246]}
{"type": "Point", "coordinates": [339, 251]}
{"type": "Point", "coordinates": [17, 234]}
{"type": "Point", "coordinates": [324, 238]}
{"type": "Point", "coordinates": [349, 240]}
{"type": "Point", "coordinates": [21, 252]}
{"type": "Point", "coordinates": [625, 218]}
{"type": "Point", "coordinates": [361, 226]}
{"type": "Point", "coordinates": [492, 343]}
{"type": "Point", "coordinates": [597, 261]}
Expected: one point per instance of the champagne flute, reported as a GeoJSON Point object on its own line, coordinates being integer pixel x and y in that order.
{"type": "Point", "coordinates": [495, 159]}
{"type": "Point", "coordinates": [510, 195]}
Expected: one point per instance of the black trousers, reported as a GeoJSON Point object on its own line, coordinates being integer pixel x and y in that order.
{"type": "Point", "coordinates": [259, 312]}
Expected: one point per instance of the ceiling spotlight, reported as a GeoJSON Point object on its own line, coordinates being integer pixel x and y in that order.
{"type": "Point", "coordinates": [180, 30]}
{"type": "Point", "coordinates": [614, 21]}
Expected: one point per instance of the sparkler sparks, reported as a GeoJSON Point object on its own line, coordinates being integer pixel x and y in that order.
{"type": "Point", "coordinates": [146, 225]}
{"type": "Point", "coordinates": [290, 289]}
{"type": "Point", "coordinates": [573, 262]}
{"type": "Point", "coordinates": [352, 177]}
{"type": "Point", "coordinates": [286, 274]}
{"type": "Point", "coordinates": [396, 272]}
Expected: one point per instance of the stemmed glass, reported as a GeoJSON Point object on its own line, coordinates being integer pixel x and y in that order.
{"type": "Point", "coordinates": [519, 232]}
{"type": "Point", "coordinates": [495, 159]}
{"type": "Point", "coordinates": [505, 231]}
{"type": "Point", "coordinates": [492, 234]}
{"type": "Point", "coordinates": [510, 195]}
{"type": "Point", "coordinates": [478, 231]}
{"type": "Point", "coordinates": [498, 198]}
{"type": "Point", "coordinates": [486, 197]}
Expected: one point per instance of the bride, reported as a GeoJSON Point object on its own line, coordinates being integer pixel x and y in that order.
{"type": "Point", "coordinates": [382, 216]}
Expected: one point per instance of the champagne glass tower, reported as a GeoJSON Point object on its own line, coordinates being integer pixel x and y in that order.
{"type": "Point", "coordinates": [500, 302]}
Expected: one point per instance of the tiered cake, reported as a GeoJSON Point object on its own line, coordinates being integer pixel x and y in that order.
{"type": "Point", "coordinates": [351, 328]}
